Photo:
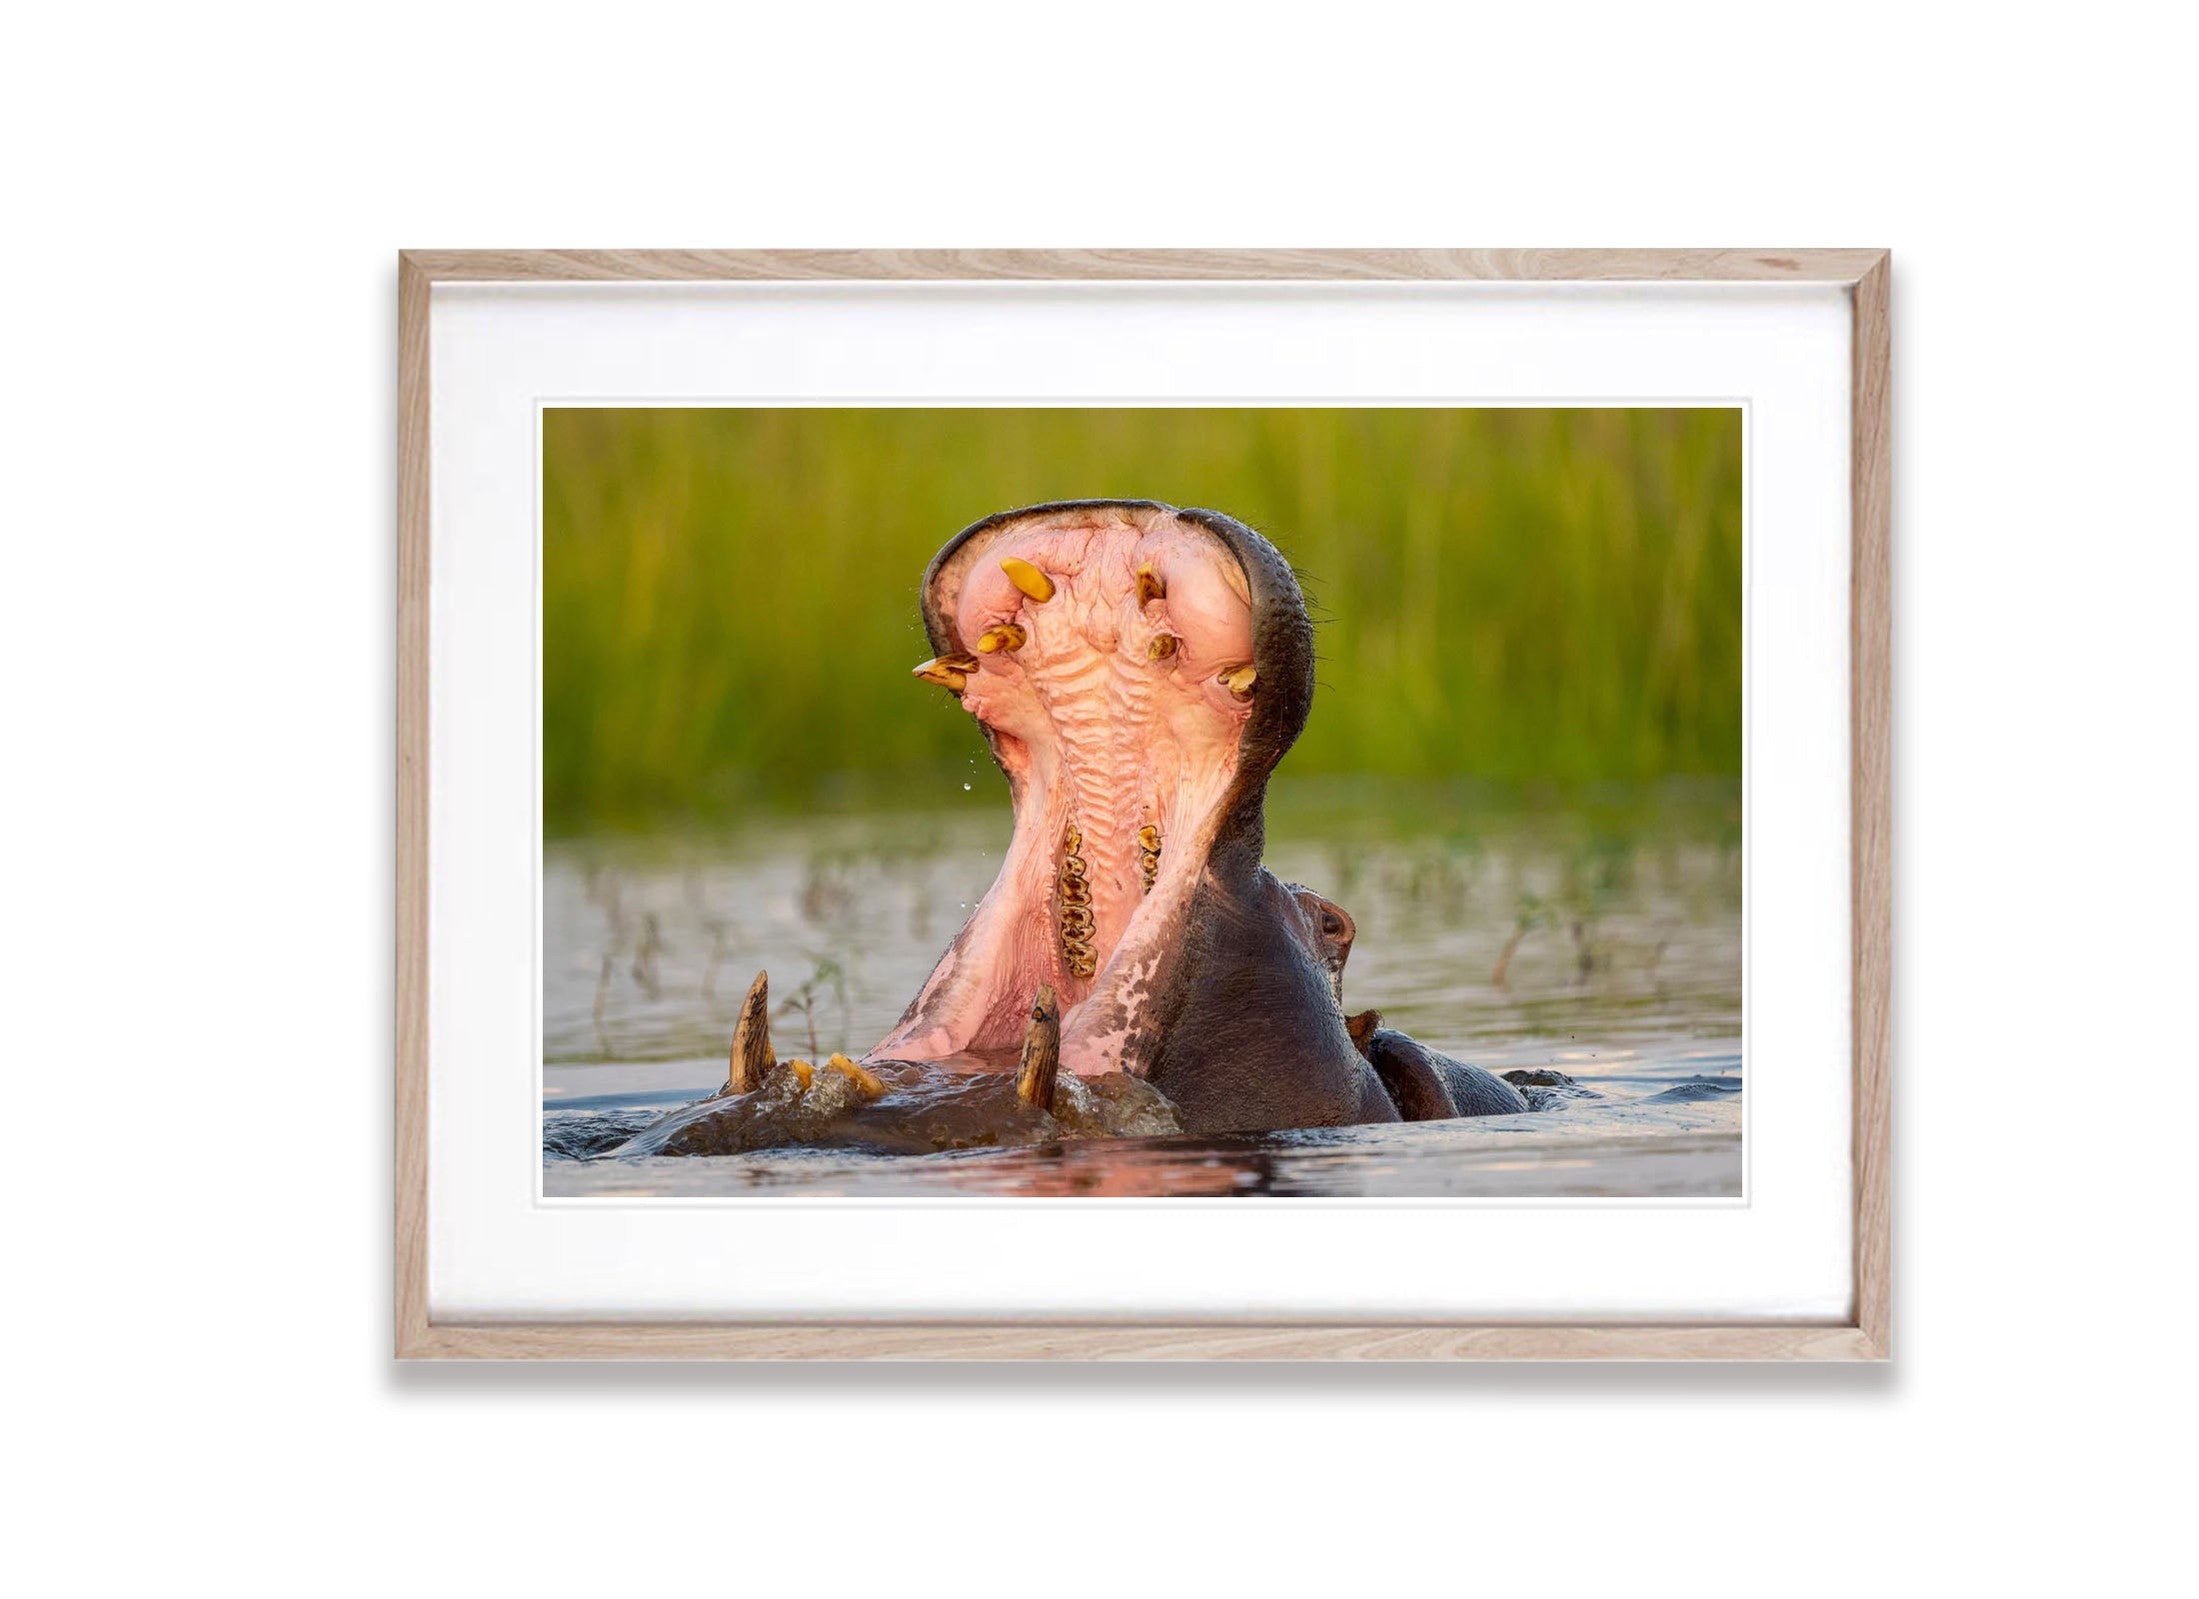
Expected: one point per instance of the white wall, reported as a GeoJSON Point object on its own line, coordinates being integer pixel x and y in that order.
{"type": "Point", "coordinates": [196, 616]}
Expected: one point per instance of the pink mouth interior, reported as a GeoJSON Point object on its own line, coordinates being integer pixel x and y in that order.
{"type": "Point", "coordinates": [1101, 737]}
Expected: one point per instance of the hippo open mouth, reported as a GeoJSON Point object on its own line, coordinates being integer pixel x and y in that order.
{"type": "Point", "coordinates": [1137, 671]}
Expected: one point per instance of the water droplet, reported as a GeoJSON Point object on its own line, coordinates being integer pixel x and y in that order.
{"type": "Point", "coordinates": [965, 788]}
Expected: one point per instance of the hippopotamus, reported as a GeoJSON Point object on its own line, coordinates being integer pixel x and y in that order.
{"type": "Point", "coordinates": [1137, 672]}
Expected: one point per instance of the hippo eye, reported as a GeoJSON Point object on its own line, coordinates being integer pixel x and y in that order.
{"type": "Point", "coordinates": [1332, 924]}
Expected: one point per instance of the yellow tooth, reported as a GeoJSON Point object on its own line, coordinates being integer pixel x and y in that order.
{"type": "Point", "coordinates": [949, 671]}
{"type": "Point", "coordinates": [1007, 636]}
{"type": "Point", "coordinates": [1150, 587]}
{"type": "Point", "coordinates": [1162, 647]}
{"type": "Point", "coordinates": [1028, 578]}
{"type": "Point", "coordinates": [803, 1071]}
{"type": "Point", "coordinates": [865, 1080]}
{"type": "Point", "coordinates": [1239, 679]}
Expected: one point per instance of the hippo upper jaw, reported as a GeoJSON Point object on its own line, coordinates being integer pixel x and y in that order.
{"type": "Point", "coordinates": [1137, 672]}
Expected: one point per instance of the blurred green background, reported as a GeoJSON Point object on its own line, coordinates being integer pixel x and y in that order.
{"type": "Point", "coordinates": [1546, 602]}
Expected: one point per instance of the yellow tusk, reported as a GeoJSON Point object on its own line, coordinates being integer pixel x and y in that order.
{"type": "Point", "coordinates": [1162, 647]}
{"type": "Point", "coordinates": [1007, 636]}
{"type": "Point", "coordinates": [1150, 587]}
{"type": "Point", "coordinates": [751, 1054]}
{"type": "Point", "coordinates": [803, 1071]}
{"type": "Point", "coordinates": [1041, 1062]}
{"type": "Point", "coordinates": [1239, 680]}
{"type": "Point", "coordinates": [949, 671]}
{"type": "Point", "coordinates": [1028, 578]}
{"type": "Point", "coordinates": [865, 1080]}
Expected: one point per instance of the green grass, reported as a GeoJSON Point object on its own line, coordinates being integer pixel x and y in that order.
{"type": "Point", "coordinates": [1530, 599]}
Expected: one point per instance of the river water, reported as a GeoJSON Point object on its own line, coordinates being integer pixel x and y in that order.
{"type": "Point", "coordinates": [1605, 945]}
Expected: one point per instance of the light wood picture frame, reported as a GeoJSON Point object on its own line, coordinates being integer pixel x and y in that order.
{"type": "Point", "coordinates": [1862, 1335]}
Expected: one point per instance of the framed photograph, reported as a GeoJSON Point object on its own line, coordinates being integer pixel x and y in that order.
{"type": "Point", "coordinates": [1143, 804]}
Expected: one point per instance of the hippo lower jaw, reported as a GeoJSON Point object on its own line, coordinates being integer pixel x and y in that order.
{"type": "Point", "coordinates": [1109, 652]}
